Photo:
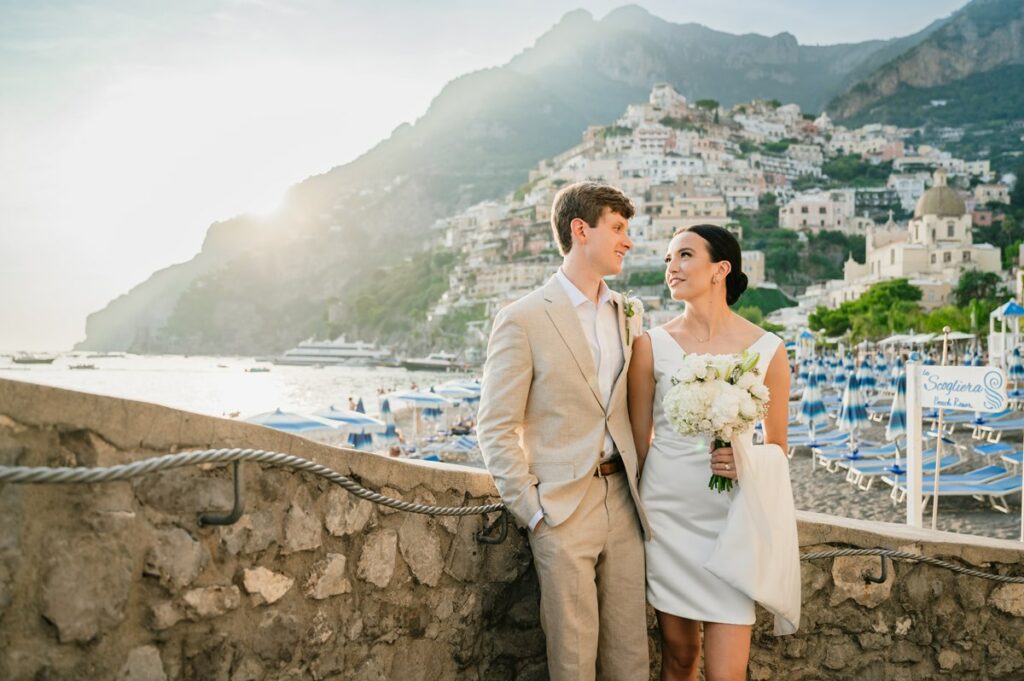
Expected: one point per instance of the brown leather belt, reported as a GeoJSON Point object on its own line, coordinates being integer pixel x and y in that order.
{"type": "Point", "coordinates": [609, 468]}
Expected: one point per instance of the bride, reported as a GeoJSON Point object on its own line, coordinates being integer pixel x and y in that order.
{"type": "Point", "coordinates": [703, 268]}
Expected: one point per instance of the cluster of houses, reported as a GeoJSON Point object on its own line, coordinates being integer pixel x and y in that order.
{"type": "Point", "coordinates": [684, 164]}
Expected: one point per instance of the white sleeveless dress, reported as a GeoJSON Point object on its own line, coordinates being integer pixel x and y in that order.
{"type": "Point", "coordinates": [686, 517]}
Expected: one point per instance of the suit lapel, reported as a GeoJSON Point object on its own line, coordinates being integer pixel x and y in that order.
{"type": "Point", "coordinates": [627, 348]}
{"type": "Point", "coordinates": [567, 323]}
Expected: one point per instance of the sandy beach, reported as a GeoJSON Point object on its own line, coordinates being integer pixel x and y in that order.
{"type": "Point", "coordinates": [825, 492]}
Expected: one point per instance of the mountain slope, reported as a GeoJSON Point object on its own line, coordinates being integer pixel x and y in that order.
{"type": "Point", "coordinates": [271, 283]}
{"type": "Point", "coordinates": [982, 36]}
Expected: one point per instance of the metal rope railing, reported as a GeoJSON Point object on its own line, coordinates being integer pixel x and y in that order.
{"type": "Point", "coordinates": [79, 475]}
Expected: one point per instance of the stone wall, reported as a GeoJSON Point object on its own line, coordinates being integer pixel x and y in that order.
{"type": "Point", "coordinates": [118, 581]}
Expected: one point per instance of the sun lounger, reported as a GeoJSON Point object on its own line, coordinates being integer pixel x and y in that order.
{"type": "Point", "coordinates": [993, 432]}
{"type": "Point", "coordinates": [832, 458]}
{"type": "Point", "coordinates": [995, 492]}
{"type": "Point", "coordinates": [1013, 458]}
{"type": "Point", "coordinates": [862, 474]}
{"type": "Point", "coordinates": [978, 475]}
{"type": "Point", "coordinates": [990, 450]}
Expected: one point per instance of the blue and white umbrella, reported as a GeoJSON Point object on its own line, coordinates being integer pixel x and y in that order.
{"type": "Point", "coordinates": [1016, 367]}
{"type": "Point", "coordinates": [427, 405]}
{"type": "Point", "coordinates": [820, 373]}
{"type": "Point", "coordinates": [968, 359]}
{"type": "Point", "coordinates": [360, 440]}
{"type": "Point", "coordinates": [865, 376]}
{"type": "Point", "coordinates": [840, 376]}
{"type": "Point", "coordinates": [350, 420]}
{"type": "Point", "coordinates": [979, 360]}
{"type": "Point", "coordinates": [812, 409]}
{"type": "Point", "coordinates": [881, 366]}
{"type": "Point", "coordinates": [291, 422]}
{"type": "Point", "coordinates": [457, 393]}
{"type": "Point", "coordinates": [360, 407]}
{"type": "Point", "coordinates": [390, 435]}
{"type": "Point", "coordinates": [854, 411]}
{"type": "Point", "coordinates": [898, 414]}
{"type": "Point", "coordinates": [899, 368]}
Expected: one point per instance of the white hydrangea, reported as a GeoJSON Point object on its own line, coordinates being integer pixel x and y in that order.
{"type": "Point", "coordinates": [717, 396]}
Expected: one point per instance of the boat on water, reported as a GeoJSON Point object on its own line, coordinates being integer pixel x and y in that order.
{"type": "Point", "coordinates": [25, 358]}
{"type": "Point", "coordinates": [435, 361]}
{"type": "Point", "coordinates": [82, 366]}
{"type": "Point", "coordinates": [338, 351]}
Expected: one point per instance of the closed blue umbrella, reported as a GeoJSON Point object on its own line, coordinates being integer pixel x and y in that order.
{"type": "Point", "coordinates": [898, 414]}
{"type": "Point", "coordinates": [812, 409]}
{"type": "Point", "coordinates": [290, 422]}
{"type": "Point", "coordinates": [978, 361]}
{"type": "Point", "coordinates": [854, 411]}
{"type": "Point", "coordinates": [841, 375]}
{"type": "Point", "coordinates": [1016, 371]}
{"type": "Point", "coordinates": [820, 373]}
{"type": "Point", "coordinates": [968, 359]}
{"type": "Point", "coordinates": [359, 406]}
{"type": "Point", "coordinates": [898, 368]}
{"type": "Point", "coordinates": [865, 376]}
{"type": "Point", "coordinates": [390, 435]}
{"type": "Point", "coordinates": [881, 367]}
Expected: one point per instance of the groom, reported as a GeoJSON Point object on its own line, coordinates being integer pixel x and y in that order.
{"type": "Point", "coordinates": [555, 434]}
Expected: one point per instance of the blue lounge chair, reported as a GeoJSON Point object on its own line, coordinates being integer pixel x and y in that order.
{"type": "Point", "coordinates": [995, 492]}
{"type": "Point", "coordinates": [977, 476]}
{"type": "Point", "coordinates": [834, 458]}
{"type": "Point", "coordinates": [862, 474]}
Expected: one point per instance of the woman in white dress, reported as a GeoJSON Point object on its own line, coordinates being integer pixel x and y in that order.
{"type": "Point", "coordinates": [703, 268]}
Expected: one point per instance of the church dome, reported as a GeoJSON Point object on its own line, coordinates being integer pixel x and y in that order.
{"type": "Point", "coordinates": [940, 200]}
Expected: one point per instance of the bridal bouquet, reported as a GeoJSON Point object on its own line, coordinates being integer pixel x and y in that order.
{"type": "Point", "coordinates": [718, 396]}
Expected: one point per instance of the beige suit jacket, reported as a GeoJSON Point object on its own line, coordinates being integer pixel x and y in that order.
{"type": "Point", "coordinates": [541, 421]}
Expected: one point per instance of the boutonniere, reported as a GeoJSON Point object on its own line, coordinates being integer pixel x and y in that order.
{"type": "Point", "coordinates": [633, 308]}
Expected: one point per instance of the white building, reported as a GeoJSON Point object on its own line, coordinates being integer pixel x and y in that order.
{"type": "Point", "coordinates": [818, 210]}
{"type": "Point", "coordinates": [934, 249]}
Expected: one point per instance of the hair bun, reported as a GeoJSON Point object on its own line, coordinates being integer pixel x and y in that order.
{"type": "Point", "coordinates": [735, 285]}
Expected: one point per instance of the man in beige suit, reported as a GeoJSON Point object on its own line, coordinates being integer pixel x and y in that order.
{"type": "Point", "coordinates": [555, 435]}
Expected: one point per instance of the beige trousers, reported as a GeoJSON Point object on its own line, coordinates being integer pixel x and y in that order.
{"type": "Point", "coordinates": [592, 593]}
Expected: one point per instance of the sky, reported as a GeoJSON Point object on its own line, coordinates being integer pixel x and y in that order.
{"type": "Point", "coordinates": [126, 128]}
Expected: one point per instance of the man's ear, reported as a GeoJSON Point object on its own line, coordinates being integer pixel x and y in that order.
{"type": "Point", "coordinates": [578, 227]}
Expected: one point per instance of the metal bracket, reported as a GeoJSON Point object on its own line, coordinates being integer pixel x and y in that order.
{"type": "Point", "coordinates": [236, 510]}
{"type": "Point", "coordinates": [870, 579]}
{"type": "Point", "coordinates": [484, 536]}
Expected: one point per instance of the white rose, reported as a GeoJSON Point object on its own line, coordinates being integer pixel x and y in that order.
{"type": "Point", "coordinates": [746, 381]}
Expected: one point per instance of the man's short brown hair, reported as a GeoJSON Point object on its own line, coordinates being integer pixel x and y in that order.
{"type": "Point", "coordinates": [585, 200]}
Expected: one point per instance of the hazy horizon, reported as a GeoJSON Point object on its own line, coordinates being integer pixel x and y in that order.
{"type": "Point", "coordinates": [127, 130]}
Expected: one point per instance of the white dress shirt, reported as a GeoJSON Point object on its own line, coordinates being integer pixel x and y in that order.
{"type": "Point", "coordinates": [600, 325]}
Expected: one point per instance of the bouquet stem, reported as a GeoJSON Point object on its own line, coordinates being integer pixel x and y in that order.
{"type": "Point", "coordinates": [717, 482]}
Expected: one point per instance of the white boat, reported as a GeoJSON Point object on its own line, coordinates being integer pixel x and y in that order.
{"type": "Point", "coordinates": [338, 351]}
{"type": "Point", "coordinates": [435, 361]}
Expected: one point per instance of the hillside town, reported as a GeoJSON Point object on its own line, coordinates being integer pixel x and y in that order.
{"type": "Point", "coordinates": [684, 163]}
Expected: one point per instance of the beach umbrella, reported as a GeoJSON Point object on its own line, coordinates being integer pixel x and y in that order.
{"type": "Point", "coordinates": [854, 411]}
{"type": "Point", "coordinates": [968, 358]}
{"type": "Point", "coordinates": [390, 435]}
{"type": "Point", "coordinates": [898, 413]}
{"type": "Point", "coordinates": [1016, 367]}
{"type": "Point", "coordinates": [349, 420]}
{"type": "Point", "coordinates": [801, 376]}
{"type": "Point", "coordinates": [881, 369]}
{"type": "Point", "coordinates": [291, 422]}
{"type": "Point", "coordinates": [812, 409]}
{"type": "Point", "coordinates": [359, 406]}
{"type": "Point", "coordinates": [979, 360]}
{"type": "Point", "coordinates": [820, 373]}
{"type": "Point", "coordinates": [898, 368]}
{"type": "Point", "coordinates": [865, 376]}
{"type": "Point", "coordinates": [455, 392]}
{"type": "Point", "coordinates": [360, 440]}
{"type": "Point", "coordinates": [421, 402]}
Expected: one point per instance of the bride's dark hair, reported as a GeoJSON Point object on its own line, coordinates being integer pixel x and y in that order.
{"type": "Point", "coordinates": [722, 245]}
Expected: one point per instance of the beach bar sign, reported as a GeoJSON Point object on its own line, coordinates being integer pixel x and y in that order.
{"type": "Point", "coordinates": [981, 389]}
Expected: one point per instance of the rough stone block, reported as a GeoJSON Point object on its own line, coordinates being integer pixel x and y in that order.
{"type": "Point", "coordinates": [143, 664]}
{"type": "Point", "coordinates": [277, 637]}
{"type": "Point", "coordinates": [421, 549]}
{"type": "Point", "coordinates": [176, 558]}
{"type": "Point", "coordinates": [949, 659]}
{"type": "Point", "coordinates": [377, 561]}
{"type": "Point", "coordinates": [164, 615]}
{"type": "Point", "coordinates": [848, 575]}
{"type": "Point", "coordinates": [394, 494]}
{"type": "Point", "coordinates": [252, 533]}
{"type": "Point", "coordinates": [346, 514]}
{"type": "Point", "coordinates": [302, 530]}
{"type": "Point", "coordinates": [211, 601]}
{"type": "Point", "coordinates": [327, 578]}
{"type": "Point", "coordinates": [1008, 598]}
{"type": "Point", "coordinates": [86, 588]}
{"type": "Point", "coordinates": [266, 586]}
{"type": "Point", "coordinates": [466, 554]}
